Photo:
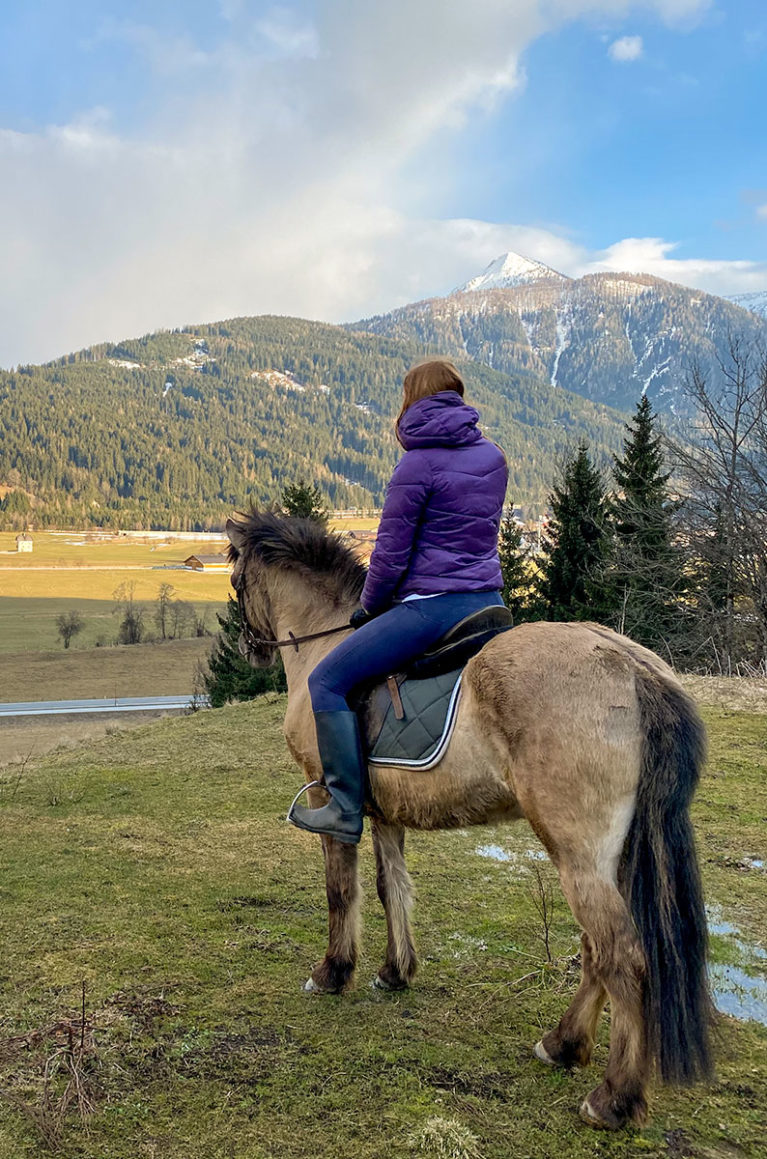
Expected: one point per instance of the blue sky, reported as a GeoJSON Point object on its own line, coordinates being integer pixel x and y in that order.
{"type": "Point", "coordinates": [172, 162]}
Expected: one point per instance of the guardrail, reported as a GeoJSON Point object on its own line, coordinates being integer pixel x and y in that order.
{"type": "Point", "coordinates": [110, 704]}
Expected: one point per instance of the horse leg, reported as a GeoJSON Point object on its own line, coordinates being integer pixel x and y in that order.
{"type": "Point", "coordinates": [572, 1042]}
{"type": "Point", "coordinates": [334, 972]}
{"type": "Point", "coordinates": [617, 961]}
{"type": "Point", "coordinates": [395, 890]}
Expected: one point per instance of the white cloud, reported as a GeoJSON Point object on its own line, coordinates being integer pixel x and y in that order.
{"type": "Point", "coordinates": [626, 48]}
{"type": "Point", "coordinates": [651, 255]}
{"type": "Point", "coordinates": [761, 212]}
{"type": "Point", "coordinates": [289, 35]}
{"type": "Point", "coordinates": [279, 186]}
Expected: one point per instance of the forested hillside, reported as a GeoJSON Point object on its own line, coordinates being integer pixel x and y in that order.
{"type": "Point", "coordinates": [175, 429]}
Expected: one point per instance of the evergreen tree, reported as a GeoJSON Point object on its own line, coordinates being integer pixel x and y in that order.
{"type": "Point", "coordinates": [646, 573]}
{"type": "Point", "coordinates": [228, 675]}
{"type": "Point", "coordinates": [576, 545]}
{"type": "Point", "coordinates": [514, 568]}
{"type": "Point", "coordinates": [304, 501]}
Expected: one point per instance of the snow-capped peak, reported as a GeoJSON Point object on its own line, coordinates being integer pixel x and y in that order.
{"type": "Point", "coordinates": [755, 301]}
{"type": "Point", "coordinates": [510, 270]}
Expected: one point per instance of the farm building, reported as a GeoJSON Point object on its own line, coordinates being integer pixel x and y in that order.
{"type": "Point", "coordinates": [207, 563]}
{"type": "Point", "coordinates": [24, 542]}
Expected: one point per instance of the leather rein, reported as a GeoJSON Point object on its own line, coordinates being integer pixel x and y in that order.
{"type": "Point", "coordinates": [255, 641]}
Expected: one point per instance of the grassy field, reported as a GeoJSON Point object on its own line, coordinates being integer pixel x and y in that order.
{"type": "Point", "coordinates": [29, 625]}
{"type": "Point", "coordinates": [67, 572]}
{"type": "Point", "coordinates": [78, 549]}
{"type": "Point", "coordinates": [138, 670]}
{"type": "Point", "coordinates": [27, 738]}
{"type": "Point", "coordinates": [155, 868]}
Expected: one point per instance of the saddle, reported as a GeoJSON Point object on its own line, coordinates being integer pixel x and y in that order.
{"type": "Point", "coordinates": [408, 719]}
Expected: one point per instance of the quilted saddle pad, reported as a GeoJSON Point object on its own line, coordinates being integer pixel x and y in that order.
{"type": "Point", "coordinates": [420, 738]}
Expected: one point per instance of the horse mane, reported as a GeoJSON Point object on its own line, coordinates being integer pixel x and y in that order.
{"type": "Point", "coordinates": [304, 546]}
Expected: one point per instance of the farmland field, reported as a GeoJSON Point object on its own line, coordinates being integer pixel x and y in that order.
{"type": "Point", "coordinates": [65, 574]}
{"type": "Point", "coordinates": [95, 673]}
{"type": "Point", "coordinates": [154, 868]}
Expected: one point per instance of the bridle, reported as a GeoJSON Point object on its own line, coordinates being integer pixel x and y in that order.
{"type": "Point", "coordinates": [254, 641]}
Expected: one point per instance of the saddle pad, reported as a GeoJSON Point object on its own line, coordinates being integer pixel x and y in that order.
{"type": "Point", "coordinates": [419, 740]}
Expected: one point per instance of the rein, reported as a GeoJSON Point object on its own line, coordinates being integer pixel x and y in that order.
{"type": "Point", "coordinates": [292, 641]}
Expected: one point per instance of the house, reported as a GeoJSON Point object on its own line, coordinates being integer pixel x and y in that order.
{"type": "Point", "coordinates": [24, 542]}
{"type": "Point", "coordinates": [207, 563]}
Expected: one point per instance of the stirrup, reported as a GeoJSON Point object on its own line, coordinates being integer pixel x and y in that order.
{"type": "Point", "coordinates": [300, 793]}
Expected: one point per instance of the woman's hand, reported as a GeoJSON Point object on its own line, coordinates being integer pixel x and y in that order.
{"type": "Point", "coordinates": [358, 618]}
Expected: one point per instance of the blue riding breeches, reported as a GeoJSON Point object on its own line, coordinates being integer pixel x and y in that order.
{"type": "Point", "coordinates": [387, 643]}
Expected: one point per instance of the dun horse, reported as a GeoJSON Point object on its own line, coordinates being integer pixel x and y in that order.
{"type": "Point", "coordinates": [584, 733]}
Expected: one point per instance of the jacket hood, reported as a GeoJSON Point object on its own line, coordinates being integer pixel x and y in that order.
{"type": "Point", "coordinates": [441, 420]}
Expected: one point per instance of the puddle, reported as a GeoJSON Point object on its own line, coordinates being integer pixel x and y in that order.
{"type": "Point", "coordinates": [495, 853]}
{"type": "Point", "coordinates": [498, 853]}
{"type": "Point", "coordinates": [740, 994]}
{"type": "Point", "coordinates": [737, 991]}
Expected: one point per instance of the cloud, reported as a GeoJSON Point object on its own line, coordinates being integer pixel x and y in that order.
{"type": "Point", "coordinates": [289, 35]}
{"type": "Point", "coordinates": [263, 183]}
{"type": "Point", "coordinates": [761, 212]}
{"type": "Point", "coordinates": [627, 48]}
{"type": "Point", "coordinates": [651, 255]}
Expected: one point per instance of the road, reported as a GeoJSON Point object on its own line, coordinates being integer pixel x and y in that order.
{"type": "Point", "coordinates": [111, 704]}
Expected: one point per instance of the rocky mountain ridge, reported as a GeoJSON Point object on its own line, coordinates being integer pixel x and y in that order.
{"type": "Point", "coordinates": [609, 337]}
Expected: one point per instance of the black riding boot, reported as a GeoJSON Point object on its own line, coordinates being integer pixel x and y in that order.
{"type": "Point", "coordinates": [345, 770]}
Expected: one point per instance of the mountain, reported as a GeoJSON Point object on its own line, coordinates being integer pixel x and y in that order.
{"type": "Point", "coordinates": [510, 270]}
{"type": "Point", "coordinates": [608, 337]}
{"type": "Point", "coordinates": [755, 301]}
{"type": "Point", "coordinates": [175, 430]}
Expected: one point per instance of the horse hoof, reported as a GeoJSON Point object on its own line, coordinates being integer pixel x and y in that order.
{"type": "Point", "coordinates": [590, 1116]}
{"type": "Point", "coordinates": [540, 1052]}
{"type": "Point", "coordinates": [311, 987]}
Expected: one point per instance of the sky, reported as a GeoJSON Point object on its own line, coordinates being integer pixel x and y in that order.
{"type": "Point", "coordinates": [171, 162]}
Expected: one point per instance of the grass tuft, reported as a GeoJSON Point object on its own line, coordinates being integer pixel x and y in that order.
{"type": "Point", "coordinates": [445, 1139]}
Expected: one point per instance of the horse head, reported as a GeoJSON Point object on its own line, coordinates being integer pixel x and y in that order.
{"type": "Point", "coordinates": [252, 598]}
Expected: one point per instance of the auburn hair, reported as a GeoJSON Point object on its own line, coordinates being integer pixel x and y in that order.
{"type": "Point", "coordinates": [426, 378]}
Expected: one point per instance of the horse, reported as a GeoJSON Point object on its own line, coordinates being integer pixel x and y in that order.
{"type": "Point", "coordinates": [581, 731]}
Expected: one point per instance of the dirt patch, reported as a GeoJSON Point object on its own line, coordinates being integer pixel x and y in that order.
{"type": "Point", "coordinates": [492, 1085]}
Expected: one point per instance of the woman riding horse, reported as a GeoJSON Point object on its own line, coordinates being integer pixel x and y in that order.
{"type": "Point", "coordinates": [435, 562]}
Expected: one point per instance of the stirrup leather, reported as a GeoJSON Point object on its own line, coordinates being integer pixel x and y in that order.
{"type": "Point", "coordinates": [300, 793]}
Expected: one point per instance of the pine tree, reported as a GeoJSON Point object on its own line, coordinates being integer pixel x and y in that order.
{"type": "Point", "coordinates": [228, 675]}
{"type": "Point", "coordinates": [646, 573]}
{"type": "Point", "coordinates": [305, 501]}
{"type": "Point", "coordinates": [576, 545]}
{"type": "Point", "coordinates": [514, 568]}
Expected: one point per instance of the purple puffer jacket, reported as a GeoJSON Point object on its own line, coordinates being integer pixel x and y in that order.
{"type": "Point", "coordinates": [439, 526]}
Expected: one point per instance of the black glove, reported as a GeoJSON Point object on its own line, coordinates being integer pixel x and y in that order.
{"type": "Point", "coordinates": [358, 618]}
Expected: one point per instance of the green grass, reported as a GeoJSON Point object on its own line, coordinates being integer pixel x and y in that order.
{"type": "Point", "coordinates": [29, 624]}
{"type": "Point", "coordinates": [157, 868]}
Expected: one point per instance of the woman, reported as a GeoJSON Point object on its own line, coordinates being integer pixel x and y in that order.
{"type": "Point", "coordinates": [435, 561]}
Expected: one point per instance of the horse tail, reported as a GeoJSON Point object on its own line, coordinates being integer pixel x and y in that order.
{"type": "Point", "coordinates": [660, 880]}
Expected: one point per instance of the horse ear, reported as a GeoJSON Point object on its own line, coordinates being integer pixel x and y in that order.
{"type": "Point", "coordinates": [236, 534]}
